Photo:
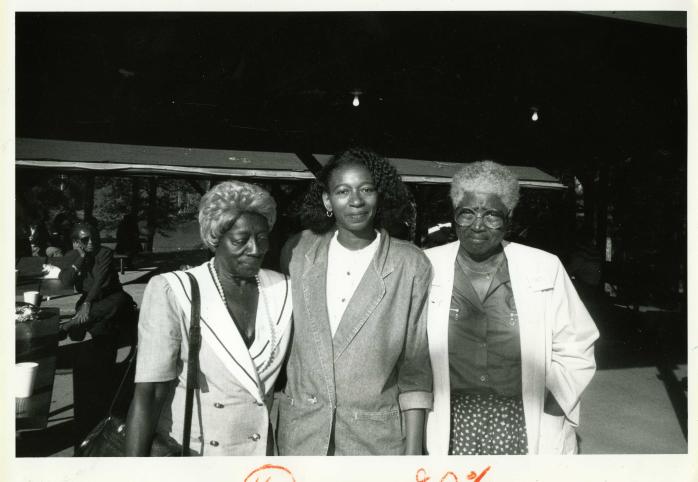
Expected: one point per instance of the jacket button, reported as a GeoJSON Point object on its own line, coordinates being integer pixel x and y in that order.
{"type": "Point", "coordinates": [218, 405]}
{"type": "Point", "coordinates": [312, 400]}
{"type": "Point", "coordinates": [214, 443]}
{"type": "Point", "coordinates": [483, 378]}
{"type": "Point", "coordinates": [255, 436]}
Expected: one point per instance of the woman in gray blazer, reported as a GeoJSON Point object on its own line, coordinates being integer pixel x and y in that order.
{"type": "Point", "coordinates": [359, 377]}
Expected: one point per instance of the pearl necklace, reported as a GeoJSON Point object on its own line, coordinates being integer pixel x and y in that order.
{"type": "Point", "coordinates": [261, 300]}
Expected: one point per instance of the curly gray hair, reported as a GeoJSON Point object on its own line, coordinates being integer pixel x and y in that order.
{"type": "Point", "coordinates": [488, 177]}
{"type": "Point", "coordinates": [223, 204]}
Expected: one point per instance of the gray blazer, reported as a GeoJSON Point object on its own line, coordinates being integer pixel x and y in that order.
{"type": "Point", "coordinates": [377, 364]}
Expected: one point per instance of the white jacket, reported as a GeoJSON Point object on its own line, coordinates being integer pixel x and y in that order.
{"type": "Point", "coordinates": [557, 346]}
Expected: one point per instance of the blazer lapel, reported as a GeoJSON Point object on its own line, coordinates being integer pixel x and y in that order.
{"type": "Point", "coordinates": [368, 294]}
{"type": "Point", "coordinates": [438, 422]}
{"type": "Point", "coordinates": [314, 281]}
{"type": "Point", "coordinates": [220, 333]}
{"type": "Point", "coordinates": [525, 285]}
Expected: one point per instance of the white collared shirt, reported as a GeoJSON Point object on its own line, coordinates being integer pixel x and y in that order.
{"type": "Point", "coordinates": [345, 268]}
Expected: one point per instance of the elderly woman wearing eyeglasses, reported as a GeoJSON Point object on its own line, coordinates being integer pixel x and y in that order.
{"type": "Point", "coordinates": [511, 344]}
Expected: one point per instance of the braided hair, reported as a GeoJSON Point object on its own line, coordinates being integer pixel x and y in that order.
{"type": "Point", "coordinates": [396, 206]}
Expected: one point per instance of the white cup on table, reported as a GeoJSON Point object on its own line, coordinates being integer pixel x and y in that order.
{"type": "Point", "coordinates": [33, 298]}
{"type": "Point", "coordinates": [25, 377]}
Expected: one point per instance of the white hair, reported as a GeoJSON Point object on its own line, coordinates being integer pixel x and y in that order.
{"type": "Point", "coordinates": [223, 204]}
{"type": "Point", "coordinates": [488, 177]}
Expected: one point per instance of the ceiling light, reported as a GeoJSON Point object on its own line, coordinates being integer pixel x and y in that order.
{"type": "Point", "coordinates": [356, 93]}
{"type": "Point", "coordinates": [534, 114]}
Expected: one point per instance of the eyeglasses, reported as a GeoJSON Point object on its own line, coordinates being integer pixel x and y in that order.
{"type": "Point", "coordinates": [491, 219]}
{"type": "Point", "coordinates": [85, 240]}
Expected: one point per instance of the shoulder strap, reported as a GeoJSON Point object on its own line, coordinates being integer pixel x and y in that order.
{"type": "Point", "coordinates": [193, 362]}
{"type": "Point", "coordinates": [132, 360]}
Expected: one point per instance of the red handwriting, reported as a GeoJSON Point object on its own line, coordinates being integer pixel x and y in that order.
{"type": "Point", "coordinates": [270, 473]}
{"type": "Point", "coordinates": [451, 476]}
{"type": "Point", "coordinates": [279, 473]}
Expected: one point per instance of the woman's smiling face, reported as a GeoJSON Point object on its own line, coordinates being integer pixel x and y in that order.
{"type": "Point", "coordinates": [352, 197]}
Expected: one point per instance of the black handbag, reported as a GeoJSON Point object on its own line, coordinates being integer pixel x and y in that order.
{"type": "Point", "coordinates": [108, 438]}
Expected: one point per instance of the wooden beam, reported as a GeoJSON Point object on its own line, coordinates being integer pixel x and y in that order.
{"type": "Point", "coordinates": [310, 162]}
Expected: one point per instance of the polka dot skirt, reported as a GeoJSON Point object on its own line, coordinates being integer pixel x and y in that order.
{"type": "Point", "coordinates": [487, 424]}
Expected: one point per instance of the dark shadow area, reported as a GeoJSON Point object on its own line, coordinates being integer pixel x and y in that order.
{"type": "Point", "coordinates": [65, 358]}
{"type": "Point", "coordinates": [630, 336]}
{"type": "Point", "coordinates": [46, 442]}
{"type": "Point", "coordinates": [671, 333]}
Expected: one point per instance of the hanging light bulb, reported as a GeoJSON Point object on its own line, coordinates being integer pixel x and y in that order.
{"type": "Point", "coordinates": [534, 114]}
{"type": "Point", "coordinates": [356, 93]}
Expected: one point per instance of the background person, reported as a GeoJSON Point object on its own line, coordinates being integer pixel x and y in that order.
{"type": "Point", "coordinates": [128, 239]}
{"type": "Point", "coordinates": [358, 373]}
{"type": "Point", "coordinates": [511, 344]}
{"type": "Point", "coordinates": [245, 329]}
{"type": "Point", "coordinates": [60, 241]}
{"type": "Point", "coordinates": [104, 310]}
{"type": "Point", "coordinates": [38, 237]}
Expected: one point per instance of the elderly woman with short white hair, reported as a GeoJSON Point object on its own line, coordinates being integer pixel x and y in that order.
{"type": "Point", "coordinates": [511, 344]}
{"type": "Point", "coordinates": [245, 327]}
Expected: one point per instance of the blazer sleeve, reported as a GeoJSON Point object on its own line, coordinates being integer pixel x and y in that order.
{"type": "Point", "coordinates": [573, 337]}
{"type": "Point", "coordinates": [100, 272]}
{"type": "Point", "coordinates": [159, 333]}
{"type": "Point", "coordinates": [414, 369]}
{"type": "Point", "coordinates": [68, 275]}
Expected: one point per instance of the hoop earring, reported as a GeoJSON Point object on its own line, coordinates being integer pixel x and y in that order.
{"type": "Point", "coordinates": [329, 213]}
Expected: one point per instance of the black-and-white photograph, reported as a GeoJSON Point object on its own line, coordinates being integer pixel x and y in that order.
{"type": "Point", "coordinates": [350, 233]}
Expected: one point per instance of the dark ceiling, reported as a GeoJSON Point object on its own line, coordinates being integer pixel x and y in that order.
{"type": "Point", "coordinates": [443, 86]}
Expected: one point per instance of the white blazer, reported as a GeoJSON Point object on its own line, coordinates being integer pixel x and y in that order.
{"type": "Point", "coordinates": [557, 346]}
{"type": "Point", "coordinates": [231, 408]}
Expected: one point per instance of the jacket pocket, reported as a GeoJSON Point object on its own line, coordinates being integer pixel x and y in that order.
{"type": "Point", "coordinates": [370, 433]}
{"type": "Point", "coordinates": [381, 416]}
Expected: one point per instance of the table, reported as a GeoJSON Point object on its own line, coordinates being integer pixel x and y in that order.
{"type": "Point", "coordinates": [37, 341]}
{"type": "Point", "coordinates": [30, 278]}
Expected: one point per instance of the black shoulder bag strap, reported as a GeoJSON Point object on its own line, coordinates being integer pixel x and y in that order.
{"type": "Point", "coordinates": [193, 362]}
